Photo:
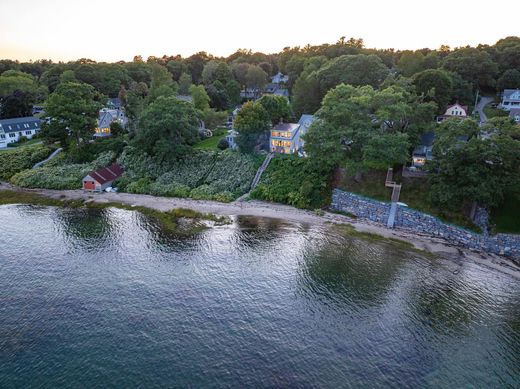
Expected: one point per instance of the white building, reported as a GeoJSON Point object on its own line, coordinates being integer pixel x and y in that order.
{"type": "Point", "coordinates": [11, 130]}
{"type": "Point", "coordinates": [510, 99]}
{"type": "Point", "coordinates": [454, 111]}
{"type": "Point", "coordinates": [106, 117]}
{"type": "Point", "coordinates": [286, 138]}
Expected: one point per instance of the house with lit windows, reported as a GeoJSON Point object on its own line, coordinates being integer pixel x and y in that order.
{"type": "Point", "coordinates": [286, 138]}
{"type": "Point", "coordinates": [11, 130]}
{"type": "Point", "coordinates": [106, 117]}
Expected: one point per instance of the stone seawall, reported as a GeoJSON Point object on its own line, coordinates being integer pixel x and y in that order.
{"type": "Point", "coordinates": [410, 219]}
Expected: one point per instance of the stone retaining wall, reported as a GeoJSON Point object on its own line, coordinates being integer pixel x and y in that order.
{"type": "Point", "coordinates": [410, 219]}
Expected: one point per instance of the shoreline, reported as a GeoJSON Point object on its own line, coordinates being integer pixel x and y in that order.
{"type": "Point", "coordinates": [423, 242]}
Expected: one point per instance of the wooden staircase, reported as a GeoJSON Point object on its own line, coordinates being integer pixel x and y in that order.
{"type": "Point", "coordinates": [396, 192]}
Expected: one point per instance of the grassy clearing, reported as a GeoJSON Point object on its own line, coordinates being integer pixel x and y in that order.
{"type": "Point", "coordinates": [212, 142]}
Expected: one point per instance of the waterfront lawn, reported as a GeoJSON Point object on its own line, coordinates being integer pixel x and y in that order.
{"type": "Point", "coordinates": [506, 218]}
{"type": "Point", "coordinates": [415, 193]}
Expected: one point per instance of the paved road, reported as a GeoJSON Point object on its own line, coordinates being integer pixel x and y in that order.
{"type": "Point", "coordinates": [484, 100]}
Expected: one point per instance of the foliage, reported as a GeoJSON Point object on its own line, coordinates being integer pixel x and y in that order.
{"type": "Point", "coordinates": [355, 70]}
{"type": "Point", "coordinates": [435, 85]}
{"type": "Point", "coordinates": [16, 160]}
{"type": "Point", "coordinates": [200, 97]}
{"type": "Point", "coordinates": [509, 80]}
{"type": "Point", "coordinates": [221, 176]}
{"type": "Point", "coordinates": [223, 144]}
{"type": "Point", "coordinates": [168, 127]}
{"type": "Point", "coordinates": [277, 107]}
{"type": "Point", "coordinates": [481, 169]}
{"type": "Point", "coordinates": [299, 182]}
{"type": "Point", "coordinates": [251, 121]}
{"type": "Point", "coordinates": [474, 66]}
{"type": "Point", "coordinates": [73, 109]}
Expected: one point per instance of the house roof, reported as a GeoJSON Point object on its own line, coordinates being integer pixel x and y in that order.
{"type": "Point", "coordinates": [464, 107]}
{"type": "Point", "coordinates": [306, 121]}
{"type": "Point", "coordinates": [107, 174]}
{"type": "Point", "coordinates": [514, 112]}
{"type": "Point", "coordinates": [115, 102]}
{"type": "Point", "coordinates": [291, 127]}
{"type": "Point", "coordinates": [19, 124]}
{"type": "Point", "coordinates": [509, 92]}
{"type": "Point", "coordinates": [281, 92]}
{"type": "Point", "coordinates": [278, 78]}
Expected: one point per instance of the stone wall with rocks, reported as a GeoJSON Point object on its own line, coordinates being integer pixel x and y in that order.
{"type": "Point", "coordinates": [410, 219]}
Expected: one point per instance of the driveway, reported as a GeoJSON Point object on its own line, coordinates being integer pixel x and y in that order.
{"type": "Point", "coordinates": [484, 100]}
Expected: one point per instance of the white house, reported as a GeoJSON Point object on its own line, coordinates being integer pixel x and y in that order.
{"type": "Point", "coordinates": [286, 138]}
{"type": "Point", "coordinates": [510, 99]}
{"type": "Point", "coordinates": [231, 138]}
{"type": "Point", "coordinates": [456, 110]}
{"type": "Point", "coordinates": [11, 130]}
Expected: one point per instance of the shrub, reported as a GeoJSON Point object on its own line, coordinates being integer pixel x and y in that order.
{"type": "Point", "coordinates": [295, 181]}
{"type": "Point", "coordinates": [14, 161]}
{"type": "Point", "coordinates": [223, 144]}
{"type": "Point", "coordinates": [59, 176]}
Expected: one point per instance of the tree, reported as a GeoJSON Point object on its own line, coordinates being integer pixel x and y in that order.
{"type": "Point", "coordinates": [212, 119]}
{"type": "Point", "coordinates": [468, 168]}
{"type": "Point", "coordinates": [162, 82]}
{"type": "Point", "coordinates": [17, 104]}
{"type": "Point", "coordinates": [68, 76]}
{"type": "Point", "coordinates": [256, 78]}
{"type": "Point", "coordinates": [184, 83]}
{"type": "Point", "coordinates": [177, 68]}
{"type": "Point", "coordinates": [355, 70]}
{"type": "Point", "coordinates": [509, 80]}
{"type": "Point", "coordinates": [306, 94]}
{"type": "Point", "coordinates": [251, 122]}
{"type": "Point", "coordinates": [200, 97]}
{"type": "Point", "coordinates": [240, 72]}
{"type": "Point", "coordinates": [73, 109]}
{"type": "Point", "coordinates": [435, 85]}
{"type": "Point", "coordinates": [233, 93]}
{"type": "Point", "coordinates": [168, 127]}
{"type": "Point", "coordinates": [277, 107]}
{"type": "Point", "coordinates": [13, 80]}
{"type": "Point", "coordinates": [218, 95]}
{"type": "Point", "coordinates": [410, 63]}
{"type": "Point", "coordinates": [386, 150]}
{"type": "Point", "coordinates": [116, 129]}
{"type": "Point", "coordinates": [195, 65]}
{"type": "Point", "coordinates": [474, 66]}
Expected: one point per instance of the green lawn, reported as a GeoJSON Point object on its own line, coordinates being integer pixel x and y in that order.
{"type": "Point", "coordinates": [415, 193]}
{"type": "Point", "coordinates": [28, 143]}
{"type": "Point", "coordinates": [506, 218]}
{"type": "Point", "coordinates": [211, 143]}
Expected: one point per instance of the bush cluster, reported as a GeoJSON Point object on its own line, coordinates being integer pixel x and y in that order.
{"type": "Point", "coordinates": [295, 181]}
{"type": "Point", "coordinates": [16, 160]}
{"type": "Point", "coordinates": [59, 175]}
{"type": "Point", "coordinates": [209, 175]}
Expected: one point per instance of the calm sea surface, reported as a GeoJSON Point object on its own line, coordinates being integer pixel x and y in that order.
{"type": "Point", "coordinates": [105, 298]}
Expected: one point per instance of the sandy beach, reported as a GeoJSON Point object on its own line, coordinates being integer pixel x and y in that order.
{"type": "Point", "coordinates": [425, 242]}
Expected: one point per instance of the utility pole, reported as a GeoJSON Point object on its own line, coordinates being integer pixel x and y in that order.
{"type": "Point", "coordinates": [476, 102]}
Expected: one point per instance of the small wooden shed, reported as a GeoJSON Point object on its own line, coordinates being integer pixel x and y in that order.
{"type": "Point", "coordinates": [99, 180]}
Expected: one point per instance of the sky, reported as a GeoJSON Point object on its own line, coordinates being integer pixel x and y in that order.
{"type": "Point", "coordinates": [113, 30]}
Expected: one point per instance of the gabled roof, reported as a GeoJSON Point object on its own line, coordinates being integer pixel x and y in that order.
{"type": "Point", "coordinates": [279, 78]}
{"type": "Point", "coordinates": [20, 124]}
{"type": "Point", "coordinates": [427, 138]}
{"type": "Point", "coordinates": [105, 118]}
{"type": "Point", "coordinates": [281, 92]}
{"type": "Point", "coordinates": [509, 92]}
{"type": "Point", "coordinates": [464, 107]}
{"type": "Point", "coordinates": [107, 174]}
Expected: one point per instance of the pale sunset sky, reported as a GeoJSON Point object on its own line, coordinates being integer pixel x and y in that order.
{"type": "Point", "coordinates": [113, 30]}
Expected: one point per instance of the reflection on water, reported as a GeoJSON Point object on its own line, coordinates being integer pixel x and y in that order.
{"type": "Point", "coordinates": [106, 298]}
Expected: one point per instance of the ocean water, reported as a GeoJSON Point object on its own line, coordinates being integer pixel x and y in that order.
{"type": "Point", "coordinates": [105, 298]}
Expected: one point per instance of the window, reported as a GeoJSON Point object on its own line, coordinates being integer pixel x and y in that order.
{"type": "Point", "coordinates": [28, 132]}
{"type": "Point", "coordinates": [2, 136]}
{"type": "Point", "coordinates": [11, 135]}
